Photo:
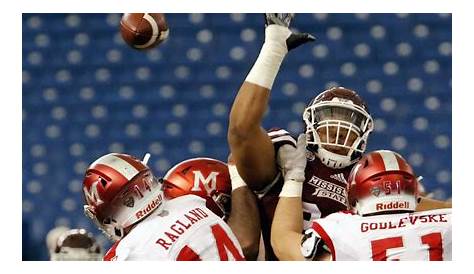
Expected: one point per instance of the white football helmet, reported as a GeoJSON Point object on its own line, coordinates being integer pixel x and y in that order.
{"type": "Point", "coordinates": [382, 182]}
{"type": "Point", "coordinates": [337, 127]}
{"type": "Point", "coordinates": [119, 191]}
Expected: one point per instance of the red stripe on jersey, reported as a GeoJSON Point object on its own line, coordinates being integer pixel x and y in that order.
{"type": "Point", "coordinates": [320, 230]}
{"type": "Point", "coordinates": [187, 254]}
{"type": "Point", "coordinates": [110, 255]}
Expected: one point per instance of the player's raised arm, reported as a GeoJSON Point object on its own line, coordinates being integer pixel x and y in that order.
{"type": "Point", "coordinates": [248, 141]}
{"type": "Point", "coordinates": [287, 223]}
{"type": "Point", "coordinates": [244, 219]}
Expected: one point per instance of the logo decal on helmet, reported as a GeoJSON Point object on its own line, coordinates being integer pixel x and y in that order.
{"type": "Point", "coordinates": [92, 195]}
{"type": "Point", "coordinates": [209, 183]}
{"type": "Point", "coordinates": [375, 191]}
{"type": "Point", "coordinates": [129, 202]}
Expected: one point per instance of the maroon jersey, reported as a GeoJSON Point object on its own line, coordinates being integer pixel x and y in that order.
{"type": "Point", "coordinates": [323, 190]}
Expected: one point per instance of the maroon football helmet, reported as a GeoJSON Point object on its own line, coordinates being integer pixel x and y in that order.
{"type": "Point", "coordinates": [205, 177]}
{"type": "Point", "coordinates": [381, 182]}
{"type": "Point", "coordinates": [119, 191]}
{"type": "Point", "coordinates": [337, 126]}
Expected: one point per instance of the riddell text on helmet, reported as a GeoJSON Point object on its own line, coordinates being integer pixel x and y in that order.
{"type": "Point", "coordinates": [154, 204]}
{"type": "Point", "coordinates": [392, 205]}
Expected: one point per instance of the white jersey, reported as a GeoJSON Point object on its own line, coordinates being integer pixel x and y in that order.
{"type": "Point", "coordinates": [409, 236]}
{"type": "Point", "coordinates": [186, 230]}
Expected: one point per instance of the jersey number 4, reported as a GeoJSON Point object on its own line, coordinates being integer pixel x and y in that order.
{"type": "Point", "coordinates": [223, 243]}
{"type": "Point", "coordinates": [433, 240]}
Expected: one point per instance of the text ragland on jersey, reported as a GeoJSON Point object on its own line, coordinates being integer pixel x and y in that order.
{"type": "Point", "coordinates": [180, 226]}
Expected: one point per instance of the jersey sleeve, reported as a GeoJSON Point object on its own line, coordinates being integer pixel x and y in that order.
{"type": "Point", "coordinates": [116, 253]}
{"type": "Point", "coordinates": [280, 137]}
{"type": "Point", "coordinates": [328, 228]}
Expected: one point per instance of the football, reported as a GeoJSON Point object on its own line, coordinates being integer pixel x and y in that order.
{"type": "Point", "coordinates": [144, 30]}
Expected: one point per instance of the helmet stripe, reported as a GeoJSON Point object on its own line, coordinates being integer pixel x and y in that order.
{"type": "Point", "coordinates": [119, 164]}
{"type": "Point", "coordinates": [132, 161]}
{"type": "Point", "coordinates": [389, 160]}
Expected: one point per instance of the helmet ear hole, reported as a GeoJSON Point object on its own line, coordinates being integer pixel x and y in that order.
{"type": "Point", "coordinates": [354, 203]}
{"type": "Point", "coordinates": [366, 163]}
{"type": "Point", "coordinates": [103, 182]}
{"type": "Point", "coordinates": [356, 155]}
{"type": "Point", "coordinates": [118, 232]}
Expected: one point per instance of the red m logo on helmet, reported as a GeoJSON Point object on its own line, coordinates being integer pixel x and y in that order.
{"type": "Point", "coordinates": [92, 195]}
{"type": "Point", "coordinates": [209, 183]}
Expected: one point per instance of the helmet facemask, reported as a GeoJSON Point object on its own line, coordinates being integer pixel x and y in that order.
{"type": "Point", "coordinates": [222, 201]}
{"type": "Point", "coordinates": [337, 131]}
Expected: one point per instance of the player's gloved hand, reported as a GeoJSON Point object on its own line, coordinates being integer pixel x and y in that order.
{"type": "Point", "coordinates": [312, 244]}
{"type": "Point", "coordinates": [293, 160]}
{"type": "Point", "coordinates": [277, 31]}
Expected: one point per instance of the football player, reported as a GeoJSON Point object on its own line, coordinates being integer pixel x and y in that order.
{"type": "Point", "coordinates": [225, 193]}
{"type": "Point", "coordinates": [338, 124]}
{"type": "Point", "coordinates": [75, 245]}
{"type": "Point", "coordinates": [126, 201]}
{"type": "Point", "coordinates": [382, 225]}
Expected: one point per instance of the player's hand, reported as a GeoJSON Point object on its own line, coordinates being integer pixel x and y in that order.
{"type": "Point", "coordinates": [312, 244]}
{"type": "Point", "coordinates": [277, 30]}
{"type": "Point", "coordinates": [293, 160]}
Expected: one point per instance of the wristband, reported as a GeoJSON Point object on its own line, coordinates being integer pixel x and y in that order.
{"type": "Point", "coordinates": [291, 188]}
{"type": "Point", "coordinates": [235, 178]}
{"type": "Point", "coordinates": [265, 69]}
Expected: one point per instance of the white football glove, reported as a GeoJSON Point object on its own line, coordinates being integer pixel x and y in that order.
{"type": "Point", "coordinates": [277, 31]}
{"type": "Point", "coordinates": [293, 160]}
